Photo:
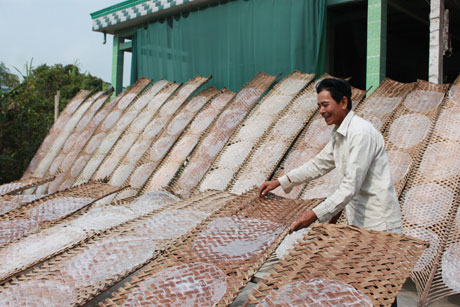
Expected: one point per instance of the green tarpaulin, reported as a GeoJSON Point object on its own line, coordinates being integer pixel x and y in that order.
{"type": "Point", "coordinates": [232, 41]}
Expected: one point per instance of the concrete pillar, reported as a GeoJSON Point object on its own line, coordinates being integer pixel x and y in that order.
{"type": "Point", "coordinates": [436, 41]}
{"type": "Point", "coordinates": [376, 43]}
{"type": "Point", "coordinates": [117, 65]}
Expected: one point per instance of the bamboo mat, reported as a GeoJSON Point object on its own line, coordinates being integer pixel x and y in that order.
{"type": "Point", "coordinates": [246, 137]}
{"type": "Point", "coordinates": [71, 141]}
{"type": "Point", "coordinates": [19, 224]}
{"type": "Point", "coordinates": [98, 263]}
{"type": "Point", "coordinates": [123, 101]}
{"type": "Point", "coordinates": [20, 185]}
{"type": "Point", "coordinates": [192, 135]}
{"type": "Point", "coordinates": [131, 105]}
{"type": "Point", "coordinates": [216, 258]}
{"type": "Point", "coordinates": [407, 135]}
{"type": "Point", "coordinates": [68, 111]}
{"type": "Point", "coordinates": [155, 98]}
{"type": "Point", "coordinates": [85, 144]}
{"type": "Point", "coordinates": [338, 265]}
{"type": "Point", "coordinates": [68, 155]}
{"type": "Point", "coordinates": [63, 134]}
{"type": "Point", "coordinates": [219, 133]}
{"type": "Point", "coordinates": [142, 160]}
{"type": "Point", "coordinates": [430, 205]}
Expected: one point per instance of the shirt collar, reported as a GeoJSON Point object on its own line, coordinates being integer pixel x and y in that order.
{"type": "Point", "coordinates": [343, 128]}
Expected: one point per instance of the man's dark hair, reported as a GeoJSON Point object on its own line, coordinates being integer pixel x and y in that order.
{"type": "Point", "coordinates": [338, 88]}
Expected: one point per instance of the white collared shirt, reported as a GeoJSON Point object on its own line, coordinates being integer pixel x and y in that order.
{"type": "Point", "coordinates": [357, 150]}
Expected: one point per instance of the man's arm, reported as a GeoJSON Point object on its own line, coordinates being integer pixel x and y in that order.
{"type": "Point", "coordinates": [361, 155]}
{"type": "Point", "coordinates": [319, 165]}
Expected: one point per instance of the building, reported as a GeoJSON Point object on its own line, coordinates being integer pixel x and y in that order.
{"type": "Point", "coordinates": [234, 39]}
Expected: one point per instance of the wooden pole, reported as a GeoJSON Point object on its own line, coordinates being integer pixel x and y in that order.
{"type": "Point", "coordinates": [56, 105]}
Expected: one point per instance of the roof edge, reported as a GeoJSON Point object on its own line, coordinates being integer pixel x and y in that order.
{"type": "Point", "coordinates": [115, 7]}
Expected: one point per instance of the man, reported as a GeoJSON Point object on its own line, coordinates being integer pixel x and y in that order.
{"type": "Point", "coordinates": [357, 150]}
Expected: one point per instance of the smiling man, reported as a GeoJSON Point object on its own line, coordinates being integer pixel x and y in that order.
{"type": "Point", "coordinates": [357, 150]}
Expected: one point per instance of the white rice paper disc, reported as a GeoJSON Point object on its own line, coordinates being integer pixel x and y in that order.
{"type": "Point", "coordinates": [178, 123]}
{"type": "Point", "coordinates": [95, 142]}
{"type": "Point", "coordinates": [427, 204]}
{"type": "Point", "coordinates": [448, 125]}
{"type": "Point", "coordinates": [107, 258]}
{"type": "Point", "coordinates": [140, 176]}
{"type": "Point", "coordinates": [380, 106]}
{"type": "Point", "coordinates": [451, 267]}
{"type": "Point", "coordinates": [196, 103]}
{"type": "Point", "coordinates": [56, 208]}
{"type": "Point", "coordinates": [193, 284]}
{"type": "Point", "coordinates": [441, 161]}
{"type": "Point", "coordinates": [318, 134]}
{"type": "Point", "coordinates": [217, 179]}
{"type": "Point", "coordinates": [235, 239]}
{"type": "Point", "coordinates": [400, 163]}
{"type": "Point", "coordinates": [409, 130]}
{"type": "Point", "coordinates": [17, 228]}
{"type": "Point", "coordinates": [254, 127]}
{"type": "Point", "coordinates": [102, 218]}
{"type": "Point", "coordinates": [234, 154]}
{"type": "Point", "coordinates": [430, 252]}
{"type": "Point", "coordinates": [423, 101]}
{"type": "Point", "coordinates": [110, 120]}
{"type": "Point", "coordinates": [316, 292]}
{"type": "Point", "coordinates": [37, 293]}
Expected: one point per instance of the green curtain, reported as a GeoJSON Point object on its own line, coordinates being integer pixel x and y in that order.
{"type": "Point", "coordinates": [233, 41]}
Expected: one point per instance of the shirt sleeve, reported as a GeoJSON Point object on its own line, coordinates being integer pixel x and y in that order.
{"type": "Point", "coordinates": [356, 168]}
{"type": "Point", "coordinates": [321, 164]}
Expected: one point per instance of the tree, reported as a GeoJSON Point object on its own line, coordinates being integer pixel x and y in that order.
{"type": "Point", "coordinates": [7, 79]}
{"type": "Point", "coordinates": [27, 113]}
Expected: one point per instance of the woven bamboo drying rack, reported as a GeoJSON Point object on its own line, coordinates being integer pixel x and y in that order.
{"type": "Point", "coordinates": [123, 101]}
{"type": "Point", "coordinates": [142, 160]}
{"type": "Point", "coordinates": [31, 219]}
{"type": "Point", "coordinates": [378, 109]}
{"type": "Point", "coordinates": [303, 149]}
{"type": "Point", "coordinates": [192, 135]}
{"type": "Point", "coordinates": [17, 186]}
{"type": "Point", "coordinates": [91, 191]}
{"type": "Point", "coordinates": [218, 134]}
{"type": "Point", "coordinates": [246, 137]}
{"type": "Point", "coordinates": [130, 105]}
{"type": "Point", "coordinates": [86, 279]}
{"type": "Point", "coordinates": [430, 205]}
{"type": "Point", "coordinates": [68, 156]}
{"type": "Point", "coordinates": [70, 108]}
{"type": "Point", "coordinates": [152, 100]}
{"type": "Point", "coordinates": [99, 99]}
{"type": "Point", "coordinates": [417, 114]}
{"type": "Point", "coordinates": [71, 142]}
{"type": "Point", "coordinates": [375, 263]}
{"type": "Point", "coordinates": [262, 223]}
{"type": "Point", "coordinates": [70, 166]}
{"type": "Point", "coordinates": [44, 165]}
{"type": "Point", "coordinates": [11, 201]}
{"type": "Point", "coordinates": [76, 229]}
{"type": "Point", "coordinates": [276, 141]}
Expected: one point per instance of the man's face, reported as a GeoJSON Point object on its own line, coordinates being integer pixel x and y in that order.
{"type": "Point", "coordinates": [332, 111]}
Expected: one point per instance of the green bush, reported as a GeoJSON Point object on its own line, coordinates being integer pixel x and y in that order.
{"type": "Point", "coordinates": [27, 112]}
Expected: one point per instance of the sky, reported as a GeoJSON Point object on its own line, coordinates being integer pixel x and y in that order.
{"type": "Point", "coordinates": [56, 32]}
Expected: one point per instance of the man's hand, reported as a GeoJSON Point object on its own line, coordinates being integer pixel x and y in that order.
{"type": "Point", "coordinates": [267, 186]}
{"type": "Point", "coordinates": [304, 221]}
